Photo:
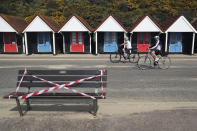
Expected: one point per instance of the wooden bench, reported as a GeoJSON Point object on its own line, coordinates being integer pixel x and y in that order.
{"type": "Point", "coordinates": [91, 87]}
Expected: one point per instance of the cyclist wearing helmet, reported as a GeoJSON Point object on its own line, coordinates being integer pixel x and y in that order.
{"type": "Point", "coordinates": [156, 49]}
{"type": "Point", "coordinates": [127, 47]}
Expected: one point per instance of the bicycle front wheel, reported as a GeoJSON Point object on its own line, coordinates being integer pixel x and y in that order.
{"type": "Point", "coordinates": [115, 57]}
{"type": "Point", "coordinates": [164, 62]}
{"type": "Point", "coordinates": [144, 62]}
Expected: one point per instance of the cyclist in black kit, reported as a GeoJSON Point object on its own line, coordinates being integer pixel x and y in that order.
{"type": "Point", "coordinates": [155, 49]}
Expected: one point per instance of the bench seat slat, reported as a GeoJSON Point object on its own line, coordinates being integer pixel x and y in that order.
{"type": "Point", "coordinates": [59, 95]}
{"type": "Point", "coordinates": [60, 78]}
{"type": "Point", "coordinates": [62, 72]}
{"type": "Point", "coordinates": [79, 85]}
{"type": "Point", "coordinates": [63, 97]}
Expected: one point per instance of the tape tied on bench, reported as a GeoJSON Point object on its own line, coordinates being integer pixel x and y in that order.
{"type": "Point", "coordinates": [102, 73]}
{"type": "Point", "coordinates": [19, 84]}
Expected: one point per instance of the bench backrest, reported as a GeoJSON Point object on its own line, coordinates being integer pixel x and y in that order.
{"type": "Point", "coordinates": [62, 77]}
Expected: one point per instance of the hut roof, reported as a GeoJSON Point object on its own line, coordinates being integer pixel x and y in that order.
{"type": "Point", "coordinates": [15, 22]}
{"type": "Point", "coordinates": [89, 28]}
{"type": "Point", "coordinates": [177, 24]}
{"type": "Point", "coordinates": [140, 20]}
{"type": "Point", "coordinates": [51, 23]}
{"type": "Point", "coordinates": [116, 20]}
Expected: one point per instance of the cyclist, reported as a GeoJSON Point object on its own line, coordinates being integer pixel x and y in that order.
{"type": "Point", "coordinates": [127, 48]}
{"type": "Point", "coordinates": [155, 50]}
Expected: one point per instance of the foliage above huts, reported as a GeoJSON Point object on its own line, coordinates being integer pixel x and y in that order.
{"type": "Point", "coordinates": [94, 11]}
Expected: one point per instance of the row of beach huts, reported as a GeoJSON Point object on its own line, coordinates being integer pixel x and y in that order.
{"type": "Point", "coordinates": [42, 35]}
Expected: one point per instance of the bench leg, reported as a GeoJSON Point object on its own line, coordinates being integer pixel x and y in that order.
{"type": "Point", "coordinates": [28, 104]}
{"type": "Point", "coordinates": [95, 107]}
{"type": "Point", "coordinates": [19, 107]}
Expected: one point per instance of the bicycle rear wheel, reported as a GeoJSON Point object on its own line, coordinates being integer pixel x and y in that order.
{"type": "Point", "coordinates": [133, 58]}
{"type": "Point", "coordinates": [164, 62]}
{"type": "Point", "coordinates": [115, 57]}
{"type": "Point", "coordinates": [144, 62]}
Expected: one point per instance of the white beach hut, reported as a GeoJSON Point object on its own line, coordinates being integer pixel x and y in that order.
{"type": "Point", "coordinates": [180, 35]}
{"type": "Point", "coordinates": [109, 35]}
{"type": "Point", "coordinates": [40, 35]}
{"type": "Point", "coordinates": [10, 34]}
{"type": "Point", "coordinates": [76, 34]}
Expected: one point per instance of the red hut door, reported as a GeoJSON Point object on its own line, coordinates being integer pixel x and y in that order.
{"type": "Point", "coordinates": [77, 44]}
{"type": "Point", "coordinates": [10, 44]}
{"type": "Point", "coordinates": [143, 41]}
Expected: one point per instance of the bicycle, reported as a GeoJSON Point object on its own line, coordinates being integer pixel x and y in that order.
{"type": "Point", "coordinates": [145, 62]}
{"type": "Point", "coordinates": [115, 57]}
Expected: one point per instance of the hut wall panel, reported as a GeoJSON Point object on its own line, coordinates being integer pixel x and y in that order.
{"type": "Point", "coordinates": [1, 42]}
{"type": "Point", "coordinates": [100, 38]}
{"type": "Point", "coordinates": [168, 43]}
{"type": "Point", "coordinates": [120, 38]}
{"type": "Point", "coordinates": [86, 42]}
{"type": "Point", "coordinates": [67, 41]}
{"type": "Point", "coordinates": [32, 42]}
{"type": "Point", "coordinates": [59, 43]}
{"type": "Point", "coordinates": [93, 43]}
{"type": "Point", "coordinates": [162, 41]}
{"type": "Point", "coordinates": [195, 44]}
{"type": "Point", "coordinates": [51, 41]}
{"type": "Point", "coordinates": [134, 40]}
{"type": "Point", "coordinates": [187, 42]}
{"type": "Point", "coordinates": [19, 44]}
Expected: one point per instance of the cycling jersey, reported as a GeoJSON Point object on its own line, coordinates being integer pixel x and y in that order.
{"type": "Point", "coordinates": [128, 45]}
{"type": "Point", "coordinates": [157, 46]}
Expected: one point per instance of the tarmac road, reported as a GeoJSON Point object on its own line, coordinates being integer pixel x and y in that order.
{"type": "Point", "coordinates": [137, 100]}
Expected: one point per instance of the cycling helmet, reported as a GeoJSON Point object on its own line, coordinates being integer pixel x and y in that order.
{"type": "Point", "coordinates": [156, 37]}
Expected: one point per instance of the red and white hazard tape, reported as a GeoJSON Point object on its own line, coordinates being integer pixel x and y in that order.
{"type": "Point", "coordinates": [59, 87]}
{"type": "Point", "coordinates": [102, 73]}
{"type": "Point", "coordinates": [15, 93]}
{"type": "Point", "coordinates": [73, 90]}
{"type": "Point", "coordinates": [76, 91]}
